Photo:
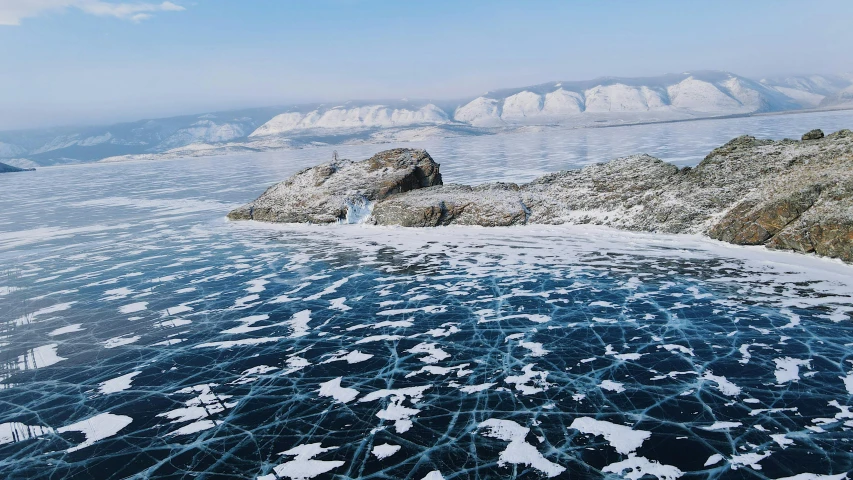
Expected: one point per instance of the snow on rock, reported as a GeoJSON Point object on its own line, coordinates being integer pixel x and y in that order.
{"type": "Point", "coordinates": [303, 466]}
{"type": "Point", "coordinates": [623, 438]}
{"type": "Point", "coordinates": [518, 452]}
{"type": "Point", "coordinates": [325, 193]}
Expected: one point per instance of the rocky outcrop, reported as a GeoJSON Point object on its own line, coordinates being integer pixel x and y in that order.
{"type": "Point", "coordinates": [813, 134]}
{"type": "Point", "coordinates": [794, 195]}
{"type": "Point", "coordinates": [4, 168]}
{"type": "Point", "coordinates": [342, 191]}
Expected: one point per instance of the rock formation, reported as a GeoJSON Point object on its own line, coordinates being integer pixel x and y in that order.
{"type": "Point", "coordinates": [4, 168]}
{"type": "Point", "coordinates": [342, 190]}
{"type": "Point", "coordinates": [793, 195]}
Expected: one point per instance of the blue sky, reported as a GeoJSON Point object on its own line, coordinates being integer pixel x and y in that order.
{"type": "Point", "coordinates": [97, 61]}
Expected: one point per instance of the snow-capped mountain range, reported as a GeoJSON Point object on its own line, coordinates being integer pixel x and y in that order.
{"type": "Point", "coordinates": [601, 101]}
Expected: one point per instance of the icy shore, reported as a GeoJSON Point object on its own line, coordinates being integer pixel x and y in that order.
{"type": "Point", "coordinates": [788, 194]}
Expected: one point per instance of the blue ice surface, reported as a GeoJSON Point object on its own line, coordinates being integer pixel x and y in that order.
{"type": "Point", "coordinates": [145, 336]}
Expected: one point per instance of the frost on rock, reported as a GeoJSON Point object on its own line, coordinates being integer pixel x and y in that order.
{"type": "Point", "coordinates": [342, 191]}
{"type": "Point", "coordinates": [783, 194]}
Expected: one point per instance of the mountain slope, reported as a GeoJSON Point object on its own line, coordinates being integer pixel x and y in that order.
{"type": "Point", "coordinates": [675, 96]}
{"type": "Point", "coordinates": [601, 101]}
{"type": "Point", "coordinates": [352, 116]}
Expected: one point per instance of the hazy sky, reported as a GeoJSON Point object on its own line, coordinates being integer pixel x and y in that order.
{"type": "Point", "coordinates": [96, 61]}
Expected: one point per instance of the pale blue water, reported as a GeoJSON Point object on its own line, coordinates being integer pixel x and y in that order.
{"type": "Point", "coordinates": [234, 343]}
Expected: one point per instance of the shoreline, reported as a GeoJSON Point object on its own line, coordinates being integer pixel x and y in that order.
{"type": "Point", "coordinates": [517, 129]}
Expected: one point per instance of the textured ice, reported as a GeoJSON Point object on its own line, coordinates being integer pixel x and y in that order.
{"type": "Point", "coordinates": [516, 322]}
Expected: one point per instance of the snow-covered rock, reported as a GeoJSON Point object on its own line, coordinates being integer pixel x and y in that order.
{"type": "Point", "coordinates": [342, 191]}
{"type": "Point", "coordinates": [791, 195]}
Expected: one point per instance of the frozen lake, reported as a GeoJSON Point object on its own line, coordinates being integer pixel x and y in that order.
{"type": "Point", "coordinates": [143, 336]}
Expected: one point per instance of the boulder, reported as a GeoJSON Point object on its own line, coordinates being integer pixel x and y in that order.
{"type": "Point", "coordinates": [815, 134]}
{"type": "Point", "coordinates": [342, 191]}
{"type": "Point", "coordinates": [492, 205]}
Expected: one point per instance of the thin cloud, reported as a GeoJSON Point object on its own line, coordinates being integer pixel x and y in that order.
{"type": "Point", "coordinates": [13, 11]}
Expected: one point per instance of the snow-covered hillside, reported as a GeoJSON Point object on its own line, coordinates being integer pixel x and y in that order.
{"type": "Point", "coordinates": [839, 99]}
{"type": "Point", "coordinates": [676, 96]}
{"type": "Point", "coordinates": [602, 101]}
{"type": "Point", "coordinates": [352, 117]}
{"type": "Point", "coordinates": [809, 90]}
{"type": "Point", "coordinates": [8, 150]}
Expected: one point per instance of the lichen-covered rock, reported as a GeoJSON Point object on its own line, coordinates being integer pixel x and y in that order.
{"type": "Point", "coordinates": [342, 190]}
{"type": "Point", "coordinates": [783, 194]}
{"type": "Point", "coordinates": [492, 205]}
{"type": "Point", "coordinates": [813, 134]}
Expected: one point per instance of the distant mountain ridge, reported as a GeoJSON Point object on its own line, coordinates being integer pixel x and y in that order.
{"type": "Point", "coordinates": [601, 101]}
